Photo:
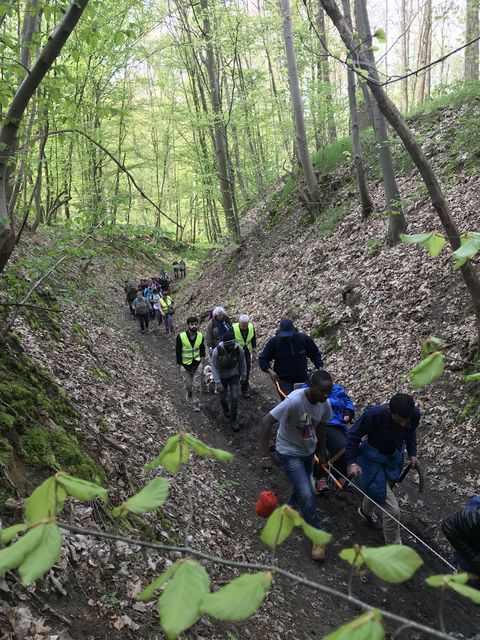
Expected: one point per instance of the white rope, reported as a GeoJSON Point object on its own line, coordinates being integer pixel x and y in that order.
{"type": "Point", "coordinates": [409, 531]}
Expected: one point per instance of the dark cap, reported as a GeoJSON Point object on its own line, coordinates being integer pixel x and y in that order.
{"type": "Point", "coordinates": [286, 328]}
{"type": "Point", "coordinates": [228, 336]}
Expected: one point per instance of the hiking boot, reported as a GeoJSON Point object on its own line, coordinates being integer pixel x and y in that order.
{"type": "Point", "coordinates": [373, 521]}
{"type": "Point", "coordinates": [196, 407]}
{"type": "Point", "coordinates": [321, 486]}
{"type": "Point", "coordinates": [235, 426]}
{"type": "Point", "coordinates": [318, 552]}
{"type": "Point", "coordinates": [188, 396]}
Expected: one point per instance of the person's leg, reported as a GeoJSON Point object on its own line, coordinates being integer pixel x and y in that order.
{"type": "Point", "coordinates": [146, 319]}
{"type": "Point", "coordinates": [158, 316]}
{"type": "Point", "coordinates": [336, 441]}
{"type": "Point", "coordinates": [234, 384]}
{"type": "Point", "coordinates": [223, 398]}
{"type": "Point", "coordinates": [196, 377]}
{"type": "Point", "coordinates": [298, 470]}
{"type": "Point", "coordinates": [187, 382]}
{"type": "Point", "coordinates": [248, 362]}
{"type": "Point", "coordinates": [391, 530]}
{"type": "Point", "coordinates": [141, 318]}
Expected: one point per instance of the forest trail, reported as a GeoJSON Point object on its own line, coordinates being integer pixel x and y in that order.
{"type": "Point", "coordinates": [293, 611]}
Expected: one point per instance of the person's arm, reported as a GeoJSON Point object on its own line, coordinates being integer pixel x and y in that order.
{"type": "Point", "coordinates": [265, 358]}
{"type": "Point", "coordinates": [178, 350]}
{"type": "Point", "coordinates": [202, 351]}
{"type": "Point", "coordinates": [312, 352]}
{"type": "Point", "coordinates": [215, 370]}
{"type": "Point", "coordinates": [266, 431]}
{"type": "Point", "coordinates": [209, 334]}
{"type": "Point", "coordinates": [254, 339]}
{"type": "Point", "coordinates": [454, 528]}
{"type": "Point", "coordinates": [411, 438]}
{"type": "Point", "coordinates": [354, 436]}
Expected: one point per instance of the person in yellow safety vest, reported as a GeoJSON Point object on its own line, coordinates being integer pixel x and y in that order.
{"type": "Point", "coordinates": [245, 335]}
{"type": "Point", "coordinates": [167, 310]}
{"type": "Point", "coordinates": [190, 352]}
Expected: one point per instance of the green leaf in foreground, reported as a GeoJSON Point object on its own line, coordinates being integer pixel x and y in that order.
{"type": "Point", "coordinates": [419, 238]}
{"type": "Point", "coordinates": [469, 248]}
{"type": "Point", "coordinates": [392, 563]}
{"type": "Point", "coordinates": [435, 244]}
{"type": "Point", "coordinates": [179, 605]}
{"type": "Point", "coordinates": [472, 377]}
{"type": "Point", "coordinates": [427, 370]}
{"type": "Point", "coordinates": [169, 456]}
{"type": "Point", "coordinates": [368, 626]}
{"type": "Point", "coordinates": [317, 536]}
{"type": "Point", "coordinates": [204, 450]}
{"type": "Point", "coordinates": [456, 582]}
{"type": "Point", "coordinates": [42, 558]}
{"type": "Point", "coordinates": [352, 556]}
{"type": "Point", "coordinates": [13, 556]}
{"type": "Point", "coordinates": [81, 489]}
{"type": "Point", "coordinates": [152, 496]}
{"type": "Point", "coordinates": [8, 534]}
{"type": "Point", "coordinates": [46, 501]}
{"type": "Point", "coordinates": [239, 599]}
{"type": "Point", "coordinates": [278, 526]}
{"type": "Point", "coordinates": [158, 583]}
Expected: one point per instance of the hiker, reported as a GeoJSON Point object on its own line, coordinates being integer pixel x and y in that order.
{"type": "Point", "coordinates": [142, 309]}
{"type": "Point", "coordinates": [217, 326]}
{"type": "Point", "coordinates": [156, 306]}
{"type": "Point", "coordinates": [302, 416]}
{"type": "Point", "coordinates": [462, 530]}
{"type": "Point", "coordinates": [336, 434]}
{"type": "Point", "coordinates": [131, 295]}
{"type": "Point", "coordinates": [182, 267]}
{"type": "Point", "coordinates": [163, 283]}
{"type": "Point", "coordinates": [167, 310]}
{"type": "Point", "coordinates": [229, 370]}
{"type": "Point", "coordinates": [176, 269]}
{"type": "Point", "coordinates": [190, 352]}
{"type": "Point", "coordinates": [245, 335]}
{"type": "Point", "coordinates": [378, 461]}
{"type": "Point", "coordinates": [289, 350]}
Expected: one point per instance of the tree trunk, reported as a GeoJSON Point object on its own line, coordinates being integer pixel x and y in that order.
{"type": "Point", "coordinates": [397, 121]}
{"type": "Point", "coordinates": [365, 199]}
{"type": "Point", "coordinates": [424, 54]}
{"type": "Point", "coordinates": [397, 223]}
{"type": "Point", "coordinates": [325, 75]}
{"type": "Point", "coordinates": [472, 30]}
{"type": "Point", "coordinates": [221, 153]}
{"type": "Point", "coordinates": [302, 144]}
{"type": "Point", "coordinates": [404, 52]}
{"type": "Point", "coordinates": [16, 110]}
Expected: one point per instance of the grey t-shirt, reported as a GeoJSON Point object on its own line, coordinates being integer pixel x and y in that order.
{"type": "Point", "coordinates": [298, 418]}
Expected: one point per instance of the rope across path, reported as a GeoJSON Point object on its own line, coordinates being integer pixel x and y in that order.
{"type": "Point", "coordinates": [392, 517]}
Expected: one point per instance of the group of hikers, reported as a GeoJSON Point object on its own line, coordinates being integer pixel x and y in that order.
{"type": "Point", "coordinates": [317, 438]}
{"type": "Point", "coordinates": [179, 269]}
{"type": "Point", "coordinates": [151, 299]}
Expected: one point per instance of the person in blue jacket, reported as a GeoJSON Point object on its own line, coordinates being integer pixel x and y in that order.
{"type": "Point", "coordinates": [378, 461]}
{"type": "Point", "coordinates": [289, 351]}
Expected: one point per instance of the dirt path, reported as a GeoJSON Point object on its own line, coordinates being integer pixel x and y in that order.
{"type": "Point", "coordinates": [293, 611]}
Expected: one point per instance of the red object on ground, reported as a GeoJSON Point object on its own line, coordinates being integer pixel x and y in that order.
{"type": "Point", "coordinates": [266, 504]}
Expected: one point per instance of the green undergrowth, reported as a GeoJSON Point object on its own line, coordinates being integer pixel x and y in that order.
{"type": "Point", "coordinates": [37, 422]}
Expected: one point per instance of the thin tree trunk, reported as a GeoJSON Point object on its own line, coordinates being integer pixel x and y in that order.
{"type": "Point", "coordinates": [397, 223]}
{"type": "Point", "coordinates": [325, 76]}
{"type": "Point", "coordinates": [404, 52]}
{"type": "Point", "coordinates": [365, 199]}
{"type": "Point", "coordinates": [16, 110]}
{"type": "Point", "coordinates": [472, 30]}
{"type": "Point", "coordinates": [302, 143]}
{"type": "Point", "coordinates": [424, 52]}
{"type": "Point", "coordinates": [397, 121]}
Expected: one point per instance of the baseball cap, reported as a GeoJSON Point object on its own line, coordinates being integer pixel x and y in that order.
{"type": "Point", "coordinates": [286, 328]}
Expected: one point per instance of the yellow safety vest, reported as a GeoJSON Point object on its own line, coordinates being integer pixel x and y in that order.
{"type": "Point", "coordinates": [189, 353]}
{"type": "Point", "coordinates": [239, 338]}
{"type": "Point", "coordinates": [166, 304]}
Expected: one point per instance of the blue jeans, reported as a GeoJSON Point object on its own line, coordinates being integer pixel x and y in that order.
{"type": "Point", "coordinates": [299, 470]}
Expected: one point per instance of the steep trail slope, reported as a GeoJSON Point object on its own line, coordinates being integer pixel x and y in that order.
{"type": "Point", "coordinates": [128, 415]}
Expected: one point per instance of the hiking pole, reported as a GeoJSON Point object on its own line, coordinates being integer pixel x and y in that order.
{"type": "Point", "coordinates": [279, 389]}
{"type": "Point", "coordinates": [409, 531]}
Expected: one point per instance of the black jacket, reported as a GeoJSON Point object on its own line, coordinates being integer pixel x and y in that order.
{"type": "Point", "coordinates": [290, 356]}
{"type": "Point", "coordinates": [462, 530]}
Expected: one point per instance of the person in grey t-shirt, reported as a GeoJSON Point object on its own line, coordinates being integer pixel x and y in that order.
{"type": "Point", "coordinates": [301, 415]}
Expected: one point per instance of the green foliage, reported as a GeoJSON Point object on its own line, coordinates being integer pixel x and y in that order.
{"type": "Point", "coordinates": [177, 452]}
{"type": "Point", "coordinates": [333, 155]}
{"type": "Point", "coordinates": [392, 563]}
{"type": "Point", "coordinates": [281, 523]}
{"type": "Point", "coordinates": [152, 496]}
{"type": "Point", "coordinates": [427, 370]}
{"type": "Point", "coordinates": [323, 326]}
{"type": "Point", "coordinates": [470, 246]}
{"type": "Point", "coordinates": [433, 241]}
{"type": "Point", "coordinates": [455, 582]}
{"type": "Point", "coordinates": [6, 452]}
{"type": "Point", "coordinates": [329, 220]}
{"type": "Point", "coordinates": [374, 245]}
{"type": "Point", "coordinates": [239, 599]}
{"type": "Point", "coordinates": [368, 626]}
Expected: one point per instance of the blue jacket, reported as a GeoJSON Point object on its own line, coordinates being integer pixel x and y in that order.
{"type": "Point", "coordinates": [340, 402]}
{"type": "Point", "coordinates": [378, 469]}
{"type": "Point", "coordinates": [290, 356]}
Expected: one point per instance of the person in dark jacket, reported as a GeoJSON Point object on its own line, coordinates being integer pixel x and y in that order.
{"type": "Point", "coordinates": [378, 461]}
{"type": "Point", "coordinates": [229, 370]}
{"type": "Point", "coordinates": [462, 530]}
{"type": "Point", "coordinates": [289, 350]}
{"type": "Point", "coordinates": [217, 327]}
